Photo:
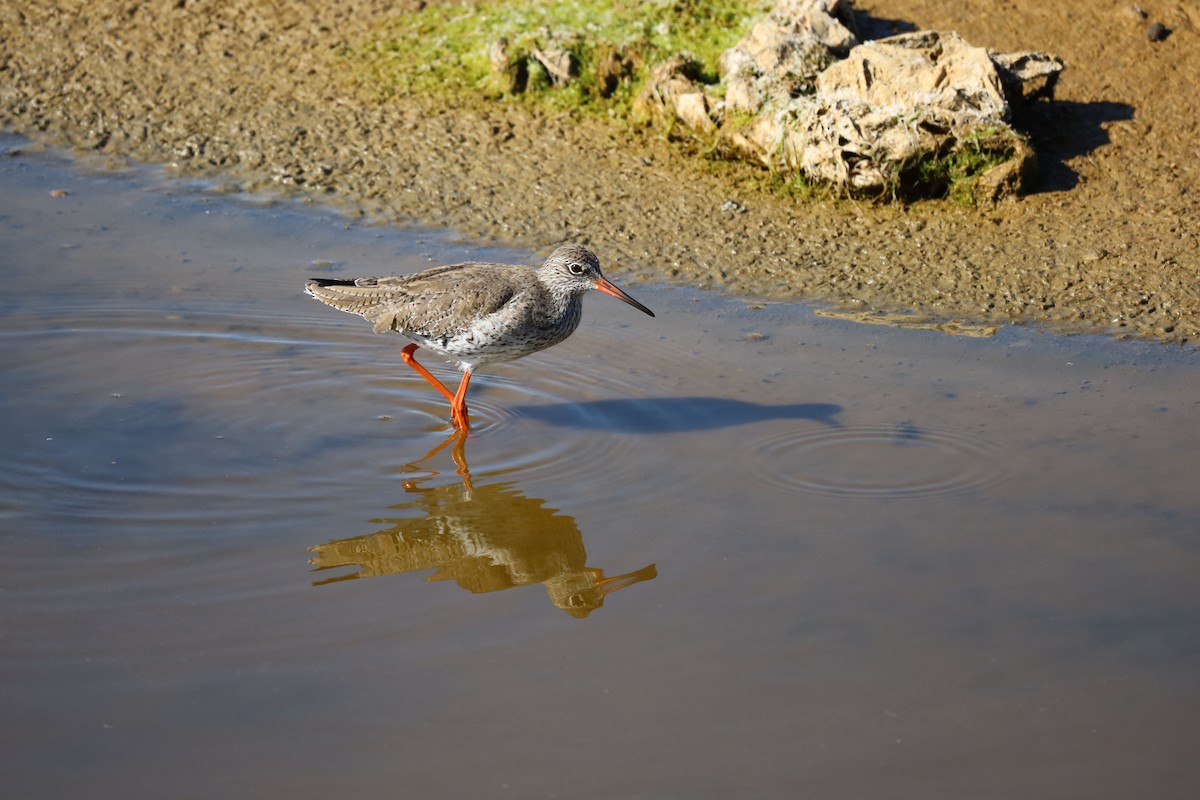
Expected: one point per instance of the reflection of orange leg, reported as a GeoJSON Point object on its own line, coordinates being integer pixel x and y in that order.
{"type": "Point", "coordinates": [460, 458]}
{"type": "Point", "coordinates": [458, 453]}
{"type": "Point", "coordinates": [455, 437]}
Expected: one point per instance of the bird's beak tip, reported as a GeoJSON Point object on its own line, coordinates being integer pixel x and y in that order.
{"type": "Point", "coordinates": [615, 291]}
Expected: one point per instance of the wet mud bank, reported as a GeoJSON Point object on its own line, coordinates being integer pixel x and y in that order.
{"type": "Point", "coordinates": [254, 95]}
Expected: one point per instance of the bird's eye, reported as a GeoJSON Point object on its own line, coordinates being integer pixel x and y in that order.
{"type": "Point", "coordinates": [576, 269]}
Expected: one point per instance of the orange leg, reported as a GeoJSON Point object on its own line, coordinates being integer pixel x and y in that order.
{"type": "Point", "coordinates": [407, 355]}
{"type": "Point", "coordinates": [458, 404]}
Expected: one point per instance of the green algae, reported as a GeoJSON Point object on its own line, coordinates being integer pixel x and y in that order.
{"type": "Point", "coordinates": [446, 49]}
{"type": "Point", "coordinates": [956, 174]}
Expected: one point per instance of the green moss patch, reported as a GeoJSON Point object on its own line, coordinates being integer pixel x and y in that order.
{"type": "Point", "coordinates": [956, 174]}
{"type": "Point", "coordinates": [449, 49]}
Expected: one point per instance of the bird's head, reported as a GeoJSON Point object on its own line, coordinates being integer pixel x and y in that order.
{"type": "Point", "coordinates": [576, 269]}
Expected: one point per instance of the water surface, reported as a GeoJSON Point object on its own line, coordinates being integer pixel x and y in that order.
{"type": "Point", "coordinates": [734, 550]}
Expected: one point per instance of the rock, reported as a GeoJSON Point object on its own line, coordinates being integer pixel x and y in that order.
{"type": "Point", "coordinates": [670, 94]}
{"type": "Point", "coordinates": [553, 52]}
{"type": "Point", "coordinates": [1027, 75]}
{"type": "Point", "coordinates": [693, 111]}
{"type": "Point", "coordinates": [1008, 178]}
{"type": "Point", "coordinates": [923, 112]}
{"type": "Point", "coordinates": [918, 70]}
{"type": "Point", "coordinates": [909, 98]}
{"type": "Point", "coordinates": [552, 58]}
{"type": "Point", "coordinates": [782, 55]}
{"type": "Point", "coordinates": [509, 74]}
{"type": "Point", "coordinates": [754, 140]}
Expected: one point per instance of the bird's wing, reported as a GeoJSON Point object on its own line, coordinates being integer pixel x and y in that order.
{"type": "Point", "coordinates": [435, 303]}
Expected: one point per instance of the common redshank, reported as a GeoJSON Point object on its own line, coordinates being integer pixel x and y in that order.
{"type": "Point", "coordinates": [475, 313]}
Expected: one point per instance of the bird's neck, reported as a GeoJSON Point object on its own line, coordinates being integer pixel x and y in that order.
{"type": "Point", "coordinates": [562, 307]}
{"type": "Point", "coordinates": [570, 303]}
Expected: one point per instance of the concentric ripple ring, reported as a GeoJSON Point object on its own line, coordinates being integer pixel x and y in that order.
{"type": "Point", "coordinates": [882, 462]}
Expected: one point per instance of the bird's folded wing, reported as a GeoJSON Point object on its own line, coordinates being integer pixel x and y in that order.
{"type": "Point", "coordinates": [436, 303]}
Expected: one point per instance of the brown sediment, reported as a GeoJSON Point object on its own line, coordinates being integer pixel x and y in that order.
{"type": "Point", "coordinates": [255, 93]}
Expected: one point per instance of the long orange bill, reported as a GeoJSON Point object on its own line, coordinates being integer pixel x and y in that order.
{"type": "Point", "coordinates": [610, 289]}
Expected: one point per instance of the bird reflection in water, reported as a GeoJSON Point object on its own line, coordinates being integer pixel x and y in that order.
{"type": "Point", "coordinates": [485, 538]}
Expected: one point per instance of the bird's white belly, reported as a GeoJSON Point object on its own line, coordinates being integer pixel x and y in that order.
{"type": "Point", "coordinates": [489, 341]}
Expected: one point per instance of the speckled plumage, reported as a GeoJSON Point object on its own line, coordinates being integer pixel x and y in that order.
{"type": "Point", "coordinates": [476, 313]}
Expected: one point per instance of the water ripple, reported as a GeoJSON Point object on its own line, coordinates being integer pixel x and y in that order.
{"type": "Point", "coordinates": [173, 417]}
{"type": "Point", "coordinates": [881, 462]}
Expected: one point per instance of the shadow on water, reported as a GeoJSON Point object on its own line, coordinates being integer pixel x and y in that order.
{"type": "Point", "coordinates": [484, 538]}
{"type": "Point", "coordinates": [674, 414]}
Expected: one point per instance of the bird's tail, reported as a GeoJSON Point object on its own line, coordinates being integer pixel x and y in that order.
{"type": "Point", "coordinates": [314, 285]}
{"type": "Point", "coordinates": [361, 296]}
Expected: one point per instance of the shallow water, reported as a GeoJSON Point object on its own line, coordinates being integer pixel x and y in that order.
{"type": "Point", "coordinates": [851, 561]}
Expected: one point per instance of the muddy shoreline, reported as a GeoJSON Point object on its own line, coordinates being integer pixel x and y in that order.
{"type": "Point", "coordinates": [249, 94]}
